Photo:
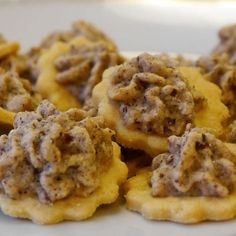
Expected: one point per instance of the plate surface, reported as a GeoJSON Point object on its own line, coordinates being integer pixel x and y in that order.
{"type": "Point", "coordinates": [126, 23]}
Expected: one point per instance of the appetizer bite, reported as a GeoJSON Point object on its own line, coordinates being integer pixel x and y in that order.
{"type": "Point", "coordinates": [58, 166]}
{"type": "Point", "coordinates": [192, 182]}
{"type": "Point", "coordinates": [147, 99]}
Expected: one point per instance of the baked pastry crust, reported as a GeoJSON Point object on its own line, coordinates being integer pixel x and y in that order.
{"type": "Point", "coordinates": [178, 209]}
{"type": "Point", "coordinates": [71, 208]}
{"type": "Point", "coordinates": [211, 116]}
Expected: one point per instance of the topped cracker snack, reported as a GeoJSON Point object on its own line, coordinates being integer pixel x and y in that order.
{"type": "Point", "coordinates": [147, 99]}
{"type": "Point", "coordinates": [194, 180]}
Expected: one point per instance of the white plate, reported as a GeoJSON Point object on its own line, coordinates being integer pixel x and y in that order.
{"type": "Point", "coordinates": [134, 28]}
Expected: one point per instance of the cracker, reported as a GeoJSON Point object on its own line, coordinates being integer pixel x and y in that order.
{"type": "Point", "coordinates": [211, 116]}
{"type": "Point", "coordinates": [8, 48]}
{"type": "Point", "coordinates": [215, 113]}
{"type": "Point", "coordinates": [6, 117]}
{"type": "Point", "coordinates": [178, 209]}
{"type": "Point", "coordinates": [72, 208]}
{"type": "Point", "coordinates": [46, 83]}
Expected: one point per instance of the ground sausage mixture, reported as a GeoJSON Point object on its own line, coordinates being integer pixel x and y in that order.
{"type": "Point", "coordinates": [153, 97]}
{"type": "Point", "coordinates": [54, 154]}
{"type": "Point", "coordinates": [81, 68]}
{"type": "Point", "coordinates": [197, 164]}
{"type": "Point", "coordinates": [217, 69]}
{"type": "Point", "coordinates": [227, 43]}
{"type": "Point", "coordinates": [16, 93]}
{"type": "Point", "coordinates": [79, 28]}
